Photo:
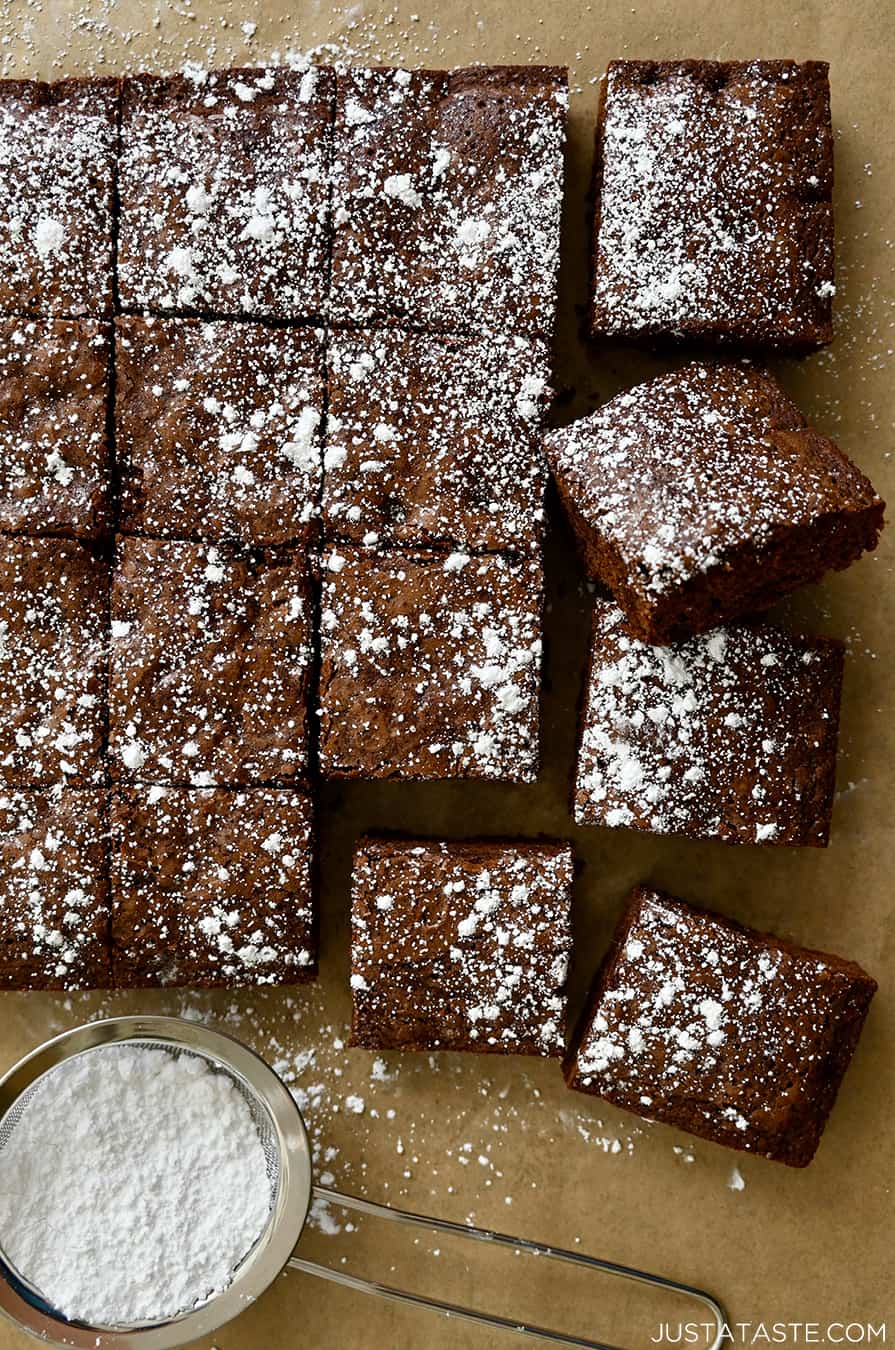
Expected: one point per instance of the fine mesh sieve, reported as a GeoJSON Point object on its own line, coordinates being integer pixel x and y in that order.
{"type": "Point", "coordinates": [285, 1142]}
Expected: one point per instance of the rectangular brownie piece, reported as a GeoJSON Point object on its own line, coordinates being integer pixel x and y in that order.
{"type": "Point", "coordinates": [430, 665]}
{"type": "Point", "coordinates": [447, 195]}
{"type": "Point", "coordinates": [53, 656]}
{"type": "Point", "coordinates": [57, 169]}
{"type": "Point", "coordinates": [212, 887]}
{"type": "Point", "coordinates": [217, 429]}
{"type": "Point", "coordinates": [224, 191]}
{"type": "Point", "coordinates": [210, 665]}
{"type": "Point", "coordinates": [729, 736]}
{"type": "Point", "coordinates": [714, 217]}
{"type": "Point", "coordinates": [731, 1034]}
{"type": "Point", "coordinates": [460, 945]}
{"type": "Point", "coordinates": [54, 901]}
{"type": "Point", "coordinates": [704, 495]}
{"type": "Point", "coordinates": [434, 441]}
{"type": "Point", "coordinates": [54, 453]}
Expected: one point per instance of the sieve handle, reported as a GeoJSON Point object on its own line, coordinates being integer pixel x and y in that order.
{"type": "Point", "coordinates": [464, 1314]}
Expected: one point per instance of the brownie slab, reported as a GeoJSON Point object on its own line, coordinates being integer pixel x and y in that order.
{"type": "Point", "coordinates": [217, 429]}
{"type": "Point", "coordinates": [54, 455]}
{"type": "Point", "coordinates": [460, 945]}
{"type": "Point", "coordinates": [210, 664]}
{"type": "Point", "coordinates": [430, 665]}
{"type": "Point", "coordinates": [57, 168]}
{"type": "Point", "coordinates": [54, 902]}
{"type": "Point", "coordinates": [714, 217]}
{"type": "Point", "coordinates": [704, 495]}
{"type": "Point", "coordinates": [434, 441]}
{"type": "Point", "coordinates": [728, 1033]}
{"type": "Point", "coordinates": [447, 194]}
{"type": "Point", "coordinates": [212, 887]}
{"type": "Point", "coordinates": [224, 189]}
{"type": "Point", "coordinates": [53, 639]}
{"type": "Point", "coordinates": [729, 736]}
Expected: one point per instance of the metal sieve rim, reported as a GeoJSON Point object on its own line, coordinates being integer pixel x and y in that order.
{"type": "Point", "coordinates": [288, 1214]}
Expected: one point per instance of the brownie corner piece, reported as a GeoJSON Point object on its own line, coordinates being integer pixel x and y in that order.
{"type": "Point", "coordinates": [447, 195]}
{"type": "Point", "coordinates": [54, 913]}
{"type": "Point", "coordinates": [224, 192]}
{"type": "Point", "coordinates": [212, 888]}
{"type": "Point", "coordinates": [729, 736]}
{"type": "Point", "coordinates": [728, 1033]}
{"type": "Point", "coordinates": [460, 945]}
{"type": "Point", "coordinates": [53, 600]}
{"type": "Point", "coordinates": [218, 429]}
{"type": "Point", "coordinates": [210, 666]}
{"type": "Point", "coordinates": [430, 665]}
{"type": "Point", "coordinates": [714, 218]}
{"type": "Point", "coordinates": [703, 495]}
{"type": "Point", "coordinates": [57, 165]}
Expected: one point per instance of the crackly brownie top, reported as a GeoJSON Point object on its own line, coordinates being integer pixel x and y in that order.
{"type": "Point", "coordinates": [731, 735]}
{"type": "Point", "coordinates": [460, 946]}
{"type": "Point", "coordinates": [434, 440]}
{"type": "Point", "coordinates": [224, 186]}
{"type": "Point", "coordinates": [678, 472]}
{"type": "Point", "coordinates": [447, 191]}
{"type": "Point", "coordinates": [715, 180]}
{"type": "Point", "coordinates": [57, 154]}
{"type": "Point", "coordinates": [52, 662]}
{"type": "Point", "coordinates": [54, 918]}
{"type": "Point", "coordinates": [430, 665]}
{"type": "Point", "coordinates": [211, 649]}
{"type": "Point", "coordinates": [211, 887]}
{"type": "Point", "coordinates": [714, 1026]}
{"type": "Point", "coordinates": [53, 455]}
{"type": "Point", "coordinates": [217, 429]}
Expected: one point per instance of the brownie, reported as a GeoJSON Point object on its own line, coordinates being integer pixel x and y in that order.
{"type": "Point", "coordinates": [217, 429]}
{"type": "Point", "coordinates": [714, 217]}
{"type": "Point", "coordinates": [704, 495]}
{"type": "Point", "coordinates": [212, 887]}
{"type": "Point", "coordinates": [430, 665]}
{"type": "Point", "coordinates": [210, 665]}
{"type": "Point", "coordinates": [460, 945]}
{"type": "Point", "coordinates": [224, 190]}
{"type": "Point", "coordinates": [54, 454]}
{"type": "Point", "coordinates": [433, 442]}
{"type": "Point", "coordinates": [53, 602]}
{"type": "Point", "coordinates": [57, 168]}
{"type": "Point", "coordinates": [447, 194]}
{"type": "Point", "coordinates": [54, 902]}
{"type": "Point", "coordinates": [732, 1034]}
{"type": "Point", "coordinates": [729, 736]}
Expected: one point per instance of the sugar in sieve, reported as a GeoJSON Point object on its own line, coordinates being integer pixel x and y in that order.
{"type": "Point", "coordinates": [285, 1142]}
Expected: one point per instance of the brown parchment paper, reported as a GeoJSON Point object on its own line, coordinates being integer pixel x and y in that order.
{"type": "Point", "coordinates": [504, 1142]}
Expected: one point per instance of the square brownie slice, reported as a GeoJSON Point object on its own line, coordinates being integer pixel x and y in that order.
{"type": "Point", "coordinates": [224, 191]}
{"type": "Point", "coordinates": [57, 169]}
{"type": "Point", "coordinates": [217, 429]}
{"type": "Point", "coordinates": [460, 945]}
{"type": "Point", "coordinates": [729, 736]}
{"type": "Point", "coordinates": [434, 441]}
{"type": "Point", "coordinates": [430, 665]}
{"type": "Point", "coordinates": [731, 1034]}
{"type": "Point", "coordinates": [53, 656]}
{"type": "Point", "coordinates": [714, 216]}
{"type": "Point", "coordinates": [54, 453]}
{"type": "Point", "coordinates": [704, 495]}
{"type": "Point", "coordinates": [212, 887]}
{"type": "Point", "coordinates": [54, 894]}
{"type": "Point", "coordinates": [210, 666]}
{"type": "Point", "coordinates": [447, 195]}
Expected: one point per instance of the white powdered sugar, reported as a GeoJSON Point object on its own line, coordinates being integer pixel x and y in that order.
{"type": "Point", "coordinates": [158, 1188]}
